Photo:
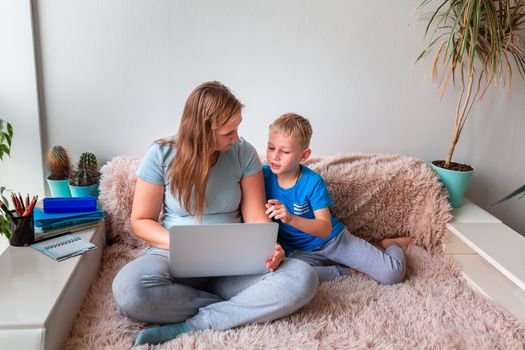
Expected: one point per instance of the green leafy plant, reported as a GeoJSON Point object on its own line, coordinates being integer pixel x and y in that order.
{"type": "Point", "coordinates": [476, 41]}
{"type": "Point", "coordinates": [86, 172]}
{"type": "Point", "coordinates": [4, 219]}
{"type": "Point", "coordinates": [6, 138]}
{"type": "Point", "coordinates": [59, 163]}
{"type": "Point", "coordinates": [519, 191]}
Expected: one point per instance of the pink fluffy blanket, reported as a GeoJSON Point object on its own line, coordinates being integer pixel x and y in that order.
{"type": "Point", "coordinates": [376, 196]}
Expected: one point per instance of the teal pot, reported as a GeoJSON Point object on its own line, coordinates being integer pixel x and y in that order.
{"type": "Point", "coordinates": [456, 183]}
{"type": "Point", "coordinates": [59, 188]}
{"type": "Point", "coordinates": [84, 191]}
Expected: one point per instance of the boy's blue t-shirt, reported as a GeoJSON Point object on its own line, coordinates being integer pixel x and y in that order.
{"type": "Point", "coordinates": [223, 191]}
{"type": "Point", "coordinates": [308, 194]}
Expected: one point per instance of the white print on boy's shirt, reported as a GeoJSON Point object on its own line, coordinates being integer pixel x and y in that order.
{"type": "Point", "coordinates": [300, 209]}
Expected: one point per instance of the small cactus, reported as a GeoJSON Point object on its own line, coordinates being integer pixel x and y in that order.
{"type": "Point", "coordinates": [59, 163]}
{"type": "Point", "coordinates": [88, 160]}
{"type": "Point", "coordinates": [86, 172]}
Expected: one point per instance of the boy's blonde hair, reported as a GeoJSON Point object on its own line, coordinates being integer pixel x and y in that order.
{"type": "Point", "coordinates": [294, 125]}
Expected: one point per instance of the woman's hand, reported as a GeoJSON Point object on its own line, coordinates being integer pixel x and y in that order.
{"type": "Point", "coordinates": [277, 210]}
{"type": "Point", "coordinates": [277, 258]}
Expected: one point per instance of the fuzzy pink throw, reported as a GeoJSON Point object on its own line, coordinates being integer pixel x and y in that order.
{"type": "Point", "coordinates": [376, 196]}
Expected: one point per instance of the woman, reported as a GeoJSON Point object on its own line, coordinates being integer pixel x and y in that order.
{"type": "Point", "coordinates": [206, 174]}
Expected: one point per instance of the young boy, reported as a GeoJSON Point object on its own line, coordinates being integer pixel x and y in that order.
{"type": "Point", "coordinates": [298, 200]}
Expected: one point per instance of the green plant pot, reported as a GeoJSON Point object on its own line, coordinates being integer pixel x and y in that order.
{"type": "Point", "coordinates": [456, 183]}
{"type": "Point", "coordinates": [84, 191]}
{"type": "Point", "coordinates": [59, 188]}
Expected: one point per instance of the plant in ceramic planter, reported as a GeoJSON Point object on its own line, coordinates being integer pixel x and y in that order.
{"type": "Point", "coordinates": [84, 181]}
{"type": "Point", "coordinates": [476, 42]}
{"type": "Point", "coordinates": [6, 138]}
{"type": "Point", "coordinates": [59, 164]}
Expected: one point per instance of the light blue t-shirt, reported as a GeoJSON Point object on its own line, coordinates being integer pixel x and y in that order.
{"type": "Point", "coordinates": [306, 196]}
{"type": "Point", "coordinates": [223, 191]}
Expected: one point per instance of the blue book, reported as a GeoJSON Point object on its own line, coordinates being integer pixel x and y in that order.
{"type": "Point", "coordinates": [43, 219]}
{"type": "Point", "coordinates": [69, 205]}
{"type": "Point", "coordinates": [66, 223]}
{"type": "Point", "coordinates": [42, 235]}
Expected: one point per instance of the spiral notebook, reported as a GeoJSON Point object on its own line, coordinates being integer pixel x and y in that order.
{"type": "Point", "coordinates": [64, 247]}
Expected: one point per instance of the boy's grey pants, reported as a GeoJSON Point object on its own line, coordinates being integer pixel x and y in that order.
{"type": "Point", "coordinates": [145, 291]}
{"type": "Point", "coordinates": [333, 258]}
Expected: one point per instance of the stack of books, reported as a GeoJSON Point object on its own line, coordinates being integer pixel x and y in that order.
{"type": "Point", "coordinates": [64, 215]}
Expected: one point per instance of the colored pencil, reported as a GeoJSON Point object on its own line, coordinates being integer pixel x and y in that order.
{"type": "Point", "coordinates": [21, 201]}
{"type": "Point", "coordinates": [31, 206]}
{"type": "Point", "coordinates": [18, 206]}
{"type": "Point", "coordinates": [15, 202]}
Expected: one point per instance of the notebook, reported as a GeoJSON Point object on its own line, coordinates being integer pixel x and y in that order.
{"type": "Point", "coordinates": [221, 249]}
{"type": "Point", "coordinates": [50, 221]}
{"type": "Point", "coordinates": [42, 235]}
{"type": "Point", "coordinates": [64, 247]}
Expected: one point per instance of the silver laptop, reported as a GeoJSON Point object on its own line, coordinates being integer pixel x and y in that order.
{"type": "Point", "coordinates": [221, 249]}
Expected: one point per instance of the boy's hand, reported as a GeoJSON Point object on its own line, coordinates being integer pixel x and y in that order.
{"type": "Point", "coordinates": [277, 258]}
{"type": "Point", "coordinates": [275, 209]}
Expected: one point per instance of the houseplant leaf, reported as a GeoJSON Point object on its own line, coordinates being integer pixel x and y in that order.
{"type": "Point", "coordinates": [475, 42]}
{"type": "Point", "coordinates": [6, 137]}
{"type": "Point", "coordinates": [520, 190]}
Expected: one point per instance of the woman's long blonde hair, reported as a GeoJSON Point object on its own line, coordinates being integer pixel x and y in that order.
{"type": "Point", "coordinates": [210, 106]}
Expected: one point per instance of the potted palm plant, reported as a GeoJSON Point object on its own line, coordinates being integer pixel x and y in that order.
{"type": "Point", "coordinates": [476, 43]}
{"type": "Point", "coordinates": [6, 137]}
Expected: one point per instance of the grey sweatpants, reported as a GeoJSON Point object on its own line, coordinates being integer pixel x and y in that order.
{"type": "Point", "coordinates": [144, 290]}
{"type": "Point", "coordinates": [335, 257]}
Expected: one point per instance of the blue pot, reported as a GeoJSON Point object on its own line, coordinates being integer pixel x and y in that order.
{"type": "Point", "coordinates": [456, 183]}
{"type": "Point", "coordinates": [84, 191]}
{"type": "Point", "coordinates": [59, 188]}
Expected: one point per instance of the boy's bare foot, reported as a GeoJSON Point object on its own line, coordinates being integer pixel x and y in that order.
{"type": "Point", "coordinates": [402, 242]}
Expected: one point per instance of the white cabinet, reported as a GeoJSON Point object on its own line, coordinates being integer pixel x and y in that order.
{"type": "Point", "coordinates": [40, 297]}
{"type": "Point", "coordinates": [491, 254]}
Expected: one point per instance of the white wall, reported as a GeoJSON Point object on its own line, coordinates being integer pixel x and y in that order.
{"type": "Point", "coordinates": [116, 75]}
{"type": "Point", "coordinates": [122, 70]}
{"type": "Point", "coordinates": [23, 171]}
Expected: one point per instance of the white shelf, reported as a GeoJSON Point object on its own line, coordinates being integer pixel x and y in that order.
{"type": "Point", "coordinates": [4, 243]}
{"type": "Point", "coordinates": [500, 245]}
{"type": "Point", "coordinates": [40, 297]}
{"type": "Point", "coordinates": [485, 279]}
{"type": "Point", "coordinates": [471, 213]}
{"type": "Point", "coordinates": [492, 256]}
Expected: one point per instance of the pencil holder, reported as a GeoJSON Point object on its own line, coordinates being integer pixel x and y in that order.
{"type": "Point", "coordinates": [23, 230]}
